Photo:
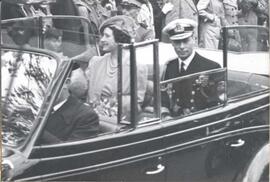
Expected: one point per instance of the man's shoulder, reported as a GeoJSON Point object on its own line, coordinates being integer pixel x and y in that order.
{"type": "Point", "coordinates": [172, 62]}
{"type": "Point", "coordinates": [85, 108]}
{"type": "Point", "coordinates": [205, 61]}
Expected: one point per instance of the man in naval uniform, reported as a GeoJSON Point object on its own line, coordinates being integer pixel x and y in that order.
{"type": "Point", "coordinates": [185, 96]}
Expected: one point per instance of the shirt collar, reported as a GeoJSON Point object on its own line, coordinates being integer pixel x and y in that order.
{"type": "Point", "coordinates": [57, 106]}
{"type": "Point", "coordinates": [186, 61]}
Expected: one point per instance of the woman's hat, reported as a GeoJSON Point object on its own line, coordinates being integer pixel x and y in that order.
{"type": "Point", "coordinates": [122, 23]}
{"type": "Point", "coordinates": [131, 3]}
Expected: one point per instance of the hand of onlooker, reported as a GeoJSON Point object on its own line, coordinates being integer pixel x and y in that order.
{"type": "Point", "coordinates": [167, 7]}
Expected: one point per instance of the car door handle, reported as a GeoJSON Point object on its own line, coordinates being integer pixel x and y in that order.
{"type": "Point", "coordinates": [159, 169]}
{"type": "Point", "coordinates": [238, 143]}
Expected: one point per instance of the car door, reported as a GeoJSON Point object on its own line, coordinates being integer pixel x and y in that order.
{"type": "Point", "coordinates": [126, 155]}
{"type": "Point", "coordinates": [217, 143]}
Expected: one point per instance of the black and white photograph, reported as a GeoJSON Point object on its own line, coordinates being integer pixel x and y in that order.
{"type": "Point", "coordinates": [135, 90]}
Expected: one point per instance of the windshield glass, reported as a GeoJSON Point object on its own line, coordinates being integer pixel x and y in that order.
{"type": "Point", "coordinates": [247, 58]}
{"type": "Point", "coordinates": [246, 39]}
{"type": "Point", "coordinates": [185, 95]}
{"type": "Point", "coordinates": [25, 79]}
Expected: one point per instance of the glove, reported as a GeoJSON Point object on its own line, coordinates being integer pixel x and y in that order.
{"type": "Point", "coordinates": [167, 7]}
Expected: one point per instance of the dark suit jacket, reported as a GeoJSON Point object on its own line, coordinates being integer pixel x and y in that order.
{"type": "Point", "coordinates": [184, 93]}
{"type": "Point", "coordinates": [74, 120]}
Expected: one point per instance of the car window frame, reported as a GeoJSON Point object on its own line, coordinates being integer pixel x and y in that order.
{"type": "Point", "coordinates": [133, 82]}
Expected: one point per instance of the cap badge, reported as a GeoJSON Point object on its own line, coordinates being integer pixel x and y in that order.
{"type": "Point", "coordinates": [178, 28]}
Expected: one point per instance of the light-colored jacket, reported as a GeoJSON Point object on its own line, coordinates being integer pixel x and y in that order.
{"type": "Point", "coordinates": [212, 18]}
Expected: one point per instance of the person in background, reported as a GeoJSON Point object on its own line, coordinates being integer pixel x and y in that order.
{"type": "Point", "coordinates": [110, 6]}
{"type": "Point", "coordinates": [102, 71]}
{"type": "Point", "coordinates": [71, 27]}
{"type": "Point", "coordinates": [262, 11]}
{"type": "Point", "coordinates": [53, 41]}
{"type": "Point", "coordinates": [16, 9]}
{"type": "Point", "coordinates": [132, 8]}
{"type": "Point", "coordinates": [248, 16]}
{"type": "Point", "coordinates": [212, 19]}
{"type": "Point", "coordinates": [231, 16]}
{"type": "Point", "coordinates": [184, 100]}
{"type": "Point", "coordinates": [21, 32]}
{"type": "Point", "coordinates": [93, 11]}
{"type": "Point", "coordinates": [175, 9]}
{"type": "Point", "coordinates": [146, 16]}
{"type": "Point", "coordinates": [158, 17]}
{"type": "Point", "coordinates": [231, 11]}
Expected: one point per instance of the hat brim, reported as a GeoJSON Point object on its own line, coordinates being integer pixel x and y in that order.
{"type": "Point", "coordinates": [122, 23]}
{"type": "Point", "coordinates": [181, 36]}
{"type": "Point", "coordinates": [133, 3]}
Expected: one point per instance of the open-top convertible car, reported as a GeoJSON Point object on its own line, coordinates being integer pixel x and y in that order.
{"type": "Point", "coordinates": [225, 139]}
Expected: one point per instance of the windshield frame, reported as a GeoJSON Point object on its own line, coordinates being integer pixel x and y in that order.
{"type": "Point", "coordinates": [40, 116]}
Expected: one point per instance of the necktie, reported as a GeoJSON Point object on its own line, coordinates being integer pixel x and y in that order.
{"type": "Point", "coordinates": [182, 70]}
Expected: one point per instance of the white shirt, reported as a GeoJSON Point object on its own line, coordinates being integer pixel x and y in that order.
{"type": "Point", "coordinates": [57, 106]}
{"type": "Point", "coordinates": [187, 61]}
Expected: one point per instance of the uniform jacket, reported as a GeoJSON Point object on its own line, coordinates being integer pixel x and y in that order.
{"type": "Point", "coordinates": [185, 93]}
{"type": "Point", "coordinates": [74, 120]}
{"type": "Point", "coordinates": [183, 9]}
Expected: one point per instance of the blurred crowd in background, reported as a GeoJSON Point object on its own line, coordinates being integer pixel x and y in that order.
{"type": "Point", "coordinates": [152, 15]}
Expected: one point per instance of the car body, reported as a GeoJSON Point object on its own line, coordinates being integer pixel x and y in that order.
{"type": "Point", "coordinates": [216, 143]}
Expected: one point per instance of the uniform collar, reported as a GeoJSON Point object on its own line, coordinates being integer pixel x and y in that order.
{"type": "Point", "coordinates": [186, 61]}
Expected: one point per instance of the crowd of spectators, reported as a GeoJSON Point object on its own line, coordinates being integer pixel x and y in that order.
{"type": "Point", "coordinates": [152, 15]}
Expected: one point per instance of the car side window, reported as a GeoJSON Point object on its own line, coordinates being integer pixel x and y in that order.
{"type": "Point", "coordinates": [190, 94]}
{"type": "Point", "coordinates": [146, 73]}
{"type": "Point", "coordinates": [248, 69]}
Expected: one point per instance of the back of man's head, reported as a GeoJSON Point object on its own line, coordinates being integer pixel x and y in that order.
{"type": "Point", "coordinates": [78, 84]}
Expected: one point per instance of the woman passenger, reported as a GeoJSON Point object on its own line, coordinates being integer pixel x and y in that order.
{"type": "Point", "coordinates": [103, 70]}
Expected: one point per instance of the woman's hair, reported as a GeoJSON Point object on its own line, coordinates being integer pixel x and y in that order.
{"type": "Point", "coordinates": [119, 36]}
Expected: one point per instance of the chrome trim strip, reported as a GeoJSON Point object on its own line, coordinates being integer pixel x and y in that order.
{"type": "Point", "coordinates": [229, 133]}
{"type": "Point", "coordinates": [217, 122]}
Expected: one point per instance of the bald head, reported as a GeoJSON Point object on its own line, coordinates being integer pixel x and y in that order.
{"type": "Point", "coordinates": [77, 84]}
